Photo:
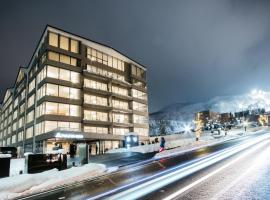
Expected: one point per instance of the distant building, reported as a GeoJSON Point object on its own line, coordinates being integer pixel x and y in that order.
{"type": "Point", "coordinates": [206, 116]}
{"type": "Point", "coordinates": [262, 119]}
{"type": "Point", "coordinates": [226, 118]}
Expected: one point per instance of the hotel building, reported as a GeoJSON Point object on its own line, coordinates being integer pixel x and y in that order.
{"type": "Point", "coordinates": [74, 90]}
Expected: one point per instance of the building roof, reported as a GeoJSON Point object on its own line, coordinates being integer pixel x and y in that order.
{"type": "Point", "coordinates": [103, 47]}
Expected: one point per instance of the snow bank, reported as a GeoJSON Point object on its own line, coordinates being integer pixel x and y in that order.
{"type": "Point", "coordinates": [16, 165]}
{"type": "Point", "coordinates": [206, 141]}
{"type": "Point", "coordinates": [25, 184]}
{"type": "Point", "coordinates": [5, 155]}
{"type": "Point", "coordinates": [184, 140]}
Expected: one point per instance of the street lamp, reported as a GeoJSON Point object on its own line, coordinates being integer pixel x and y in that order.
{"type": "Point", "coordinates": [187, 128]}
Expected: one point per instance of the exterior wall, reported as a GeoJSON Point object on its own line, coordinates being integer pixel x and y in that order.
{"type": "Point", "coordinates": [62, 89]}
{"type": "Point", "coordinates": [205, 116]}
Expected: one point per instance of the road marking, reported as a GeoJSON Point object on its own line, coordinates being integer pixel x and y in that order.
{"type": "Point", "coordinates": [184, 189]}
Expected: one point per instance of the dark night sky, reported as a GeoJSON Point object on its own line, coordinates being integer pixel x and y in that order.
{"type": "Point", "coordinates": [194, 50]}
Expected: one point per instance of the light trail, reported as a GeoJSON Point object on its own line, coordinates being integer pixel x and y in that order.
{"type": "Point", "coordinates": [200, 180]}
{"type": "Point", "coordinates": [155, 182]}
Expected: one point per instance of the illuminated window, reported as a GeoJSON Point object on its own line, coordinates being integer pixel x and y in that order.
{"type": "Point", "coordinates": [139, 106]}
{"type": "Point", "coordinates": [95, 115]}
{"type": "Point", "coordinates": [21, 121]}
{"type": "Point", "coordinates": [53, 39]}
{"type": "Point", "coordinates": [30, 116]}
{"type": "Point", "coordinates": [64, 42]}
{"type": "Point", "coordinates": [120, 118]}
{"type": "Point", "coordinates": [96, 129]}
{"type": "Point", "coordinates": [138, 119]}
{"type": "Point", "coordinates": [53, 72]}
{"type": "Point", "coordinates": [120, 104]}
{"type": "Point", "coordinates": [73, 61]}
{"type": "Point", "coordinates": [63, 109]}
{"type": "Point", "coordinates": [95, 84]}
{"type": "Point", "coordinates": [31, 85]}
{"type": "Point", "coordinates": [64, 75]}
{"type": "Point", "coordinates": [121, 91]}
{"type": "Point", "coordinates": [92, 99]}
{"type": "Point", "coordinates": [63, 91]}
{"type": "Point", "coordinates": [75, 93]}
{"type": "Point", "coordinates": [75, 111]}
{"type": "Point", "coordinates": [15, 113]}
{"type": "Point", "coordinates": [139, 94]}
{"type": "Point", "coordinates": [41, 75]}
{"type": "Point", "coordinates": [74, 46]}
{"type": "Point", "coordinates": [50, 125]}
{"type": "Point", "coordinates": [51, 108]}
{"type": "Point", "coordinates": [64, 59]}
{"type": "Point", "coordinates": [53, 56]}
{"type": "Point", "coordinates": [141, 131]}
{"type": "Point", "coordinates": [20, 136]}
{"type": "Point", "coordinates": [110, 61]}
{"type": "Point", "coordinates": [29, 132]}
{"type": "Point", "coordinates": [31, 101]}
{"type": "Point", "coordinates": [52, 90]}
{"type": "Point", "coordinates": [75, 77]}
{"type": "Point", "coordinates": [120, 131]}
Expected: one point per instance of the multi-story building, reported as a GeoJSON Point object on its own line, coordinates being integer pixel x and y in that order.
{"type": "Point", "coordinates": [206, 116]}
{"type": "Point", "coordinates": [74, 90]}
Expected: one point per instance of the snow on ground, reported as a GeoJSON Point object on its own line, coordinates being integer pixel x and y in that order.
{"type": "Point", "coordinates": [205, 142]}
{"type": "Point", "coordinates": [25, 184]}
{"type": "Point", "coordinates": [16, 165]}
{"type": "Point", "coordinates": [181, 141]}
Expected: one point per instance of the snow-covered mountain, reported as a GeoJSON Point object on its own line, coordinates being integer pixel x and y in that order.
{"type": "Point", "coordinates": [178, 115]}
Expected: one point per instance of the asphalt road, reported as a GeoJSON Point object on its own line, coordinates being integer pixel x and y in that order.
{"type": "Point", "coordinates": [132, 175]}
{"type": "Point", "coordinates": [242, 176]}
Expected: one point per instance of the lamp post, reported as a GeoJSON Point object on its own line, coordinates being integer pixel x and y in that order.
{"type": "Point", "coordinates": [198, 126]}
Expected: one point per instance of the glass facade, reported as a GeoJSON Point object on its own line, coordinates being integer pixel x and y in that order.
{"type": "Point", "coordinates": [96, 100]}
{"type": "Point", "coordinates": [95, 55]}
{"type": "Point", "coordinates": [49, 89]}
{"type": "Point", "coordinates": [62, 58]}
{"type": "Point", "coordinates": [53, 94]}
{"type": "Point", "coordinates": [95, 115]}
{"type": "Point", "coordinates": [95, 85]}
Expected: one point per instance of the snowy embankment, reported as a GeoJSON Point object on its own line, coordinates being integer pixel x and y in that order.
{"type": "Point", "coordinates": [204, 143]}
{"type": "Point", "coordinates": [185, 141]}
{"type": "Point", "coordinates": [172, 141]}
{"type": "Point", "coordinates": [26, 184]}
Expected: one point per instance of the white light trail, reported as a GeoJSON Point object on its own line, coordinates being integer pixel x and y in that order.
{"type": "Point", "coordinates": [165, 179]}
{"type": "Point", "coordinates": [182, 190]}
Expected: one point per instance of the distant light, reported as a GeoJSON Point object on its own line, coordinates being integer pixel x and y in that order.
{"type": "Point", "coordinates": [245, 123]}
{"type": "Point", "coordinates": [128, 139]}
{"type": "Point", "coordinates": [240, 105]}
{"type": "Point", "coordinates": [187, 128]}
{"type": "Point", "coordinates": [254, 92]}
{"type": "Point", "coordinates": [135, 139]}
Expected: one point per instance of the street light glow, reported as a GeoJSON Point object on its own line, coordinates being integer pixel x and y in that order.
{"type": "Point", "coordinates": [187, 128]}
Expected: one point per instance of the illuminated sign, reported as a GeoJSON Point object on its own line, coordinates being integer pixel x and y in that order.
{"type": "Point", "coordinates": [71, 136]}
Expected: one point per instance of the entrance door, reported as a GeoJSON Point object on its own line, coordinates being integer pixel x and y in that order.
{"type": "Point", "coordinates": [94, 148]}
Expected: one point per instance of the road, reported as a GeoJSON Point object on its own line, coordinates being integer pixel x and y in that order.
{"type": "Point", "coordinates": [209, 172]}
{"type": "Point", "coordinates": [242, 176]}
